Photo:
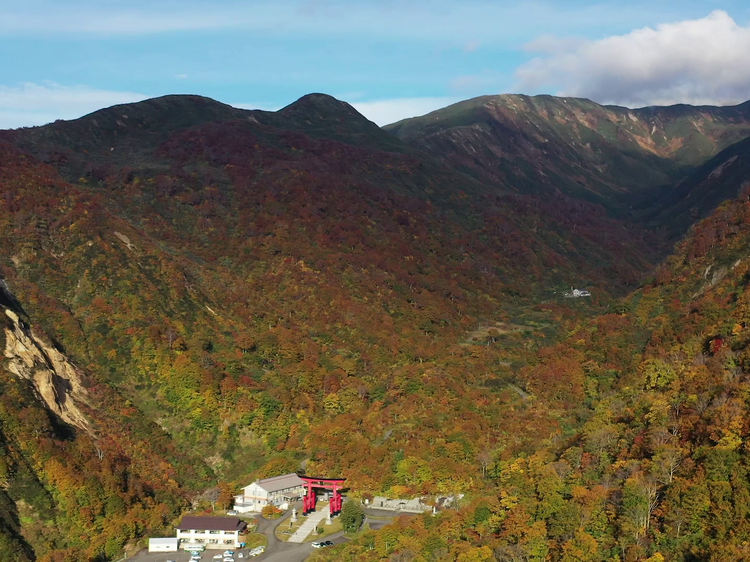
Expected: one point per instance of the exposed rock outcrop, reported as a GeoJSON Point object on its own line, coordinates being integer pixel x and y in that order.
{"type": "Point", "coordinates": [56, 380]}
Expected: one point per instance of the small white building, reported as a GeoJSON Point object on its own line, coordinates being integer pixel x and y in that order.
{"type": "Point", "coordinates": [167, 544]}
{"type": "Point", "coordinates": [278, 491]}
{"type": "Point", "coordinates": [211, 532]}
{"type": "Point", "coordinates": [576, 293]}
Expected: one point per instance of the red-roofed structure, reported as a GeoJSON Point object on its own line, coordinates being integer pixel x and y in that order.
{"type": "Point", "coordinates": [335, 484]}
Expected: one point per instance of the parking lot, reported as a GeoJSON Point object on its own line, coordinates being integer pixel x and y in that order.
{"type": "Point", "coordinates": [180, 556]}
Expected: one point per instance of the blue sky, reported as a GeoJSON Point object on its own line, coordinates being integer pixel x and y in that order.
{"type": "Point", "coordinates": [389, 58]}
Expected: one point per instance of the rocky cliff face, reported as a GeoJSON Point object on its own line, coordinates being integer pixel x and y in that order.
{"type": "Point", "coordinates": [56, 380]}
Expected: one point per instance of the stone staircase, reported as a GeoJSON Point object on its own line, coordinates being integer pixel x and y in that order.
{"type": "Point", "coordinates": [309, 525]}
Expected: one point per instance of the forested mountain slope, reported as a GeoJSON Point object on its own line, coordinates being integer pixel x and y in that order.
{"type": "Point", "coordinates": [721, 178]}
{"type": "Point", "coordinates": [232, 294]}
{"type": "Point", "coordinates": [657, 466]}
{"type": "Point", "coordinates": [252, 290]}
{"type": "Point", "coordinates": [228, 159]}
{"type": "Point", "coordinates": [544, 144]}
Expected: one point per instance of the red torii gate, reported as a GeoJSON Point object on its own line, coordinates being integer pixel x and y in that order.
{"type": "Point", "coordinates": [335, 484]}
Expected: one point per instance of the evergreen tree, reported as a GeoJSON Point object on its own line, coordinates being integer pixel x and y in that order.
{"type": "Point", "coordinates": [352, 516]}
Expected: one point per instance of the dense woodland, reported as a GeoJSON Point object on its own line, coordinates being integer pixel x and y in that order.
{"type": "Point", "coordinates": [249, 296]}
{"type": "Point", "coordinates": [657, 465]}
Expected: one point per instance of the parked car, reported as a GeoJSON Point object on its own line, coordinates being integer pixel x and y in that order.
{"type": "Point", "coordinates": [218, 556]}
{"type": "Point", "coordinates": [317, 545]}
{"type": "Point", "coordinates": [233, 512]}
{"type": "Point", "coordinates": [229, 553]}
{"type": "Point", "coordinates": [257, 551]}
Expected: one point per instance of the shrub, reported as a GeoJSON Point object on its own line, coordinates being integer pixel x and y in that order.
{"type": "Point", "coordinates": [271, 512]}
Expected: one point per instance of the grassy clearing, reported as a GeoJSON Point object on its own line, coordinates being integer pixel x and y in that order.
{"type": "Point", "coordinates": [256, 539]}
{"type": "Point", "coordinates": [489, 331]}
{"type": "Point", "coordinates": [328, 530]}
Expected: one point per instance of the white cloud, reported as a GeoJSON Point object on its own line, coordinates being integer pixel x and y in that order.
{"type": "Point", "coordinates": [97, 19]}
{"type": "Point", "coordinates": [31, 104]}
{"type": "Point", "coordinates": [384, 112]}
{"type": "Point", "coordinates": [703, 61]}
{"type": "Point", "coordinates": [467, 23]}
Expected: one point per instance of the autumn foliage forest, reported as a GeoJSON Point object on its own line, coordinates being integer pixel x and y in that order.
{"type": "Point", "coordinates": [248, 293]}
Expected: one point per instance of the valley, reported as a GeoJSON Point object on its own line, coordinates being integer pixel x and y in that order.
{"type": "Point", "coordinates": [195, 294]}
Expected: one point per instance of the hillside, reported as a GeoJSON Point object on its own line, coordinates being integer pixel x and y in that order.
{"type": "Point", "coordinates": [721, 178]}
{"type": "Point", "coordinates": [656, 468]}
{"type": "Point", "coordinates": [219, 294]}
{"type": "Point", "coordinates": [225, 152]}
{"type": "Point", "coordinates": [262, 289]}
{"type": "Point", "coordinates": [543, 144]}
{"type": "Point", "coordinates": [128, 135]}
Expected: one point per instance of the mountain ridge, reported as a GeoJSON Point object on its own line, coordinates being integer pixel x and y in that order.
{"type": "Point", "coordinates": [255, 290]}
{"type": "Point", "coordinates": [719, 179]}
{"type": "Point", "coordinates": [607, 154]}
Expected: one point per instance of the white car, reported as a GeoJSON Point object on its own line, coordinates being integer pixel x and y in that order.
{"type": "Point", "coordinates": [229, 553]}
{"type": "Point", "coordinates": [218, 556]}
{"type": "Point", "coordinates": [257, 551]}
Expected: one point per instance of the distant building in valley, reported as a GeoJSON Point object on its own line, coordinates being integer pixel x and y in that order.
{"type": "Point", "coordinates": [576, 293]}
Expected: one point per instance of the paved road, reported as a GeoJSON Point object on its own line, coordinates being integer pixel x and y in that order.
{"type": "Point", "coordinates": [181, 556]}
{"type": "Point", "coordinates": [384, 516]}
{"type": "Point", "coordinates": [278, 550]}
{"type": "Point", "coordinates": [145, 556]}
{"type": "Point", "coordinates": [268, 528]}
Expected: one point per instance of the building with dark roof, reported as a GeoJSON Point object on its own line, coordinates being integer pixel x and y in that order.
{"type": "Point", "coordinates": [211, 532]}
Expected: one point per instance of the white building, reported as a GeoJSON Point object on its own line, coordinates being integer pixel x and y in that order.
{"type": "Point", "coordinates": [278, 491]}
{"type": "Point", "coordinates": [167, 544]}
{"type": "Point", "coordinates": [211, 532]}
{"type": "Point", "coordinates": [576, 293]}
